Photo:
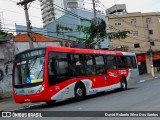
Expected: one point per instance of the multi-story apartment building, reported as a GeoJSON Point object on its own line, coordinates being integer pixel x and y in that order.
{"type": "Point", "coordinates": [144, 37]}
{"type": "Point", "coordinates": [54, 9]}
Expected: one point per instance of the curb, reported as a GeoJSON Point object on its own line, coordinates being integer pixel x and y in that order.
{"type": "Point", "coordinates": [151, 78]}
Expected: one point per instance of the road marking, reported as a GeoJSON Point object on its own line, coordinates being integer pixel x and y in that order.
{"type": "Point", "coordinates": [142, 81]}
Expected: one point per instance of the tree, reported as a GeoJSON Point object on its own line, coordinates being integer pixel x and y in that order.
{"type": "Point", "coordinates": [97, 31]}
{"type": "Point", "coordinates": [5, 35]}
{"type": "Point", "coordinates": [92, 32]}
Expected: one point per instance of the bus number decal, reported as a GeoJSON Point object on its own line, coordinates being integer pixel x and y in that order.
{"type": "Point", "coordinates": [113, 74]}
{"type": "Point", "coordinates": [57, 88]}
{"type": "Point", "coordinates": [123, 72]}
{"type": "Point", "coordinates": [93, 91]}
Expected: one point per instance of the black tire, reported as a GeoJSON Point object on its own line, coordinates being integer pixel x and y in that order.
{"type": "Point", "coordinates": [80, 92]}
{"type": "Point", "coordinates": [123, 84]}
{"type": "Point", "coordinates": [51, 102]}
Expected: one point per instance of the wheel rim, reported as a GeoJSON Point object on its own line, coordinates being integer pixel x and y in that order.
{"type": "Point", "coordinates": [79, 92]}
{"type": "Point", "coordinates": [123, 85]}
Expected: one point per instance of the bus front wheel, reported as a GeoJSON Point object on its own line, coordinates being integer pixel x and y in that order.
{"type": "Point", "coordinates": [80, 92]}
{"type": "Point", "coordinates": [123, 84]}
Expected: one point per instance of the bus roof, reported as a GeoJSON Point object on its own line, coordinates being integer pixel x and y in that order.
{"type": "Point", "coordinates": [87, 51]}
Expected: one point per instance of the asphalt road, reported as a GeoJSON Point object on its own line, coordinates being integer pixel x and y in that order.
{"type": "Point", "coordinates": [145, 96]}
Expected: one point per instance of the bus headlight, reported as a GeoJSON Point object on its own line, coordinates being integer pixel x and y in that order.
{"type": "Point", "coordinates": [40, 89]}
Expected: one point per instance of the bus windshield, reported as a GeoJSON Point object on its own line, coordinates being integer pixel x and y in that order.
{"type": "Point", "coordinates": [29, 71]}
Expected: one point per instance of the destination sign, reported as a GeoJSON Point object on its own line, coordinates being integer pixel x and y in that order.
{"type": "Point", "coordinates": [30, 54]}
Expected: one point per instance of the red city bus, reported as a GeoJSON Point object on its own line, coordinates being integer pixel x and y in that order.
{"type": "Point", "coordinates": [58, 73]}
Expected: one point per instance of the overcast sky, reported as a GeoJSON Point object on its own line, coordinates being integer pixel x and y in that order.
{"type": "Point", "coordinates": [13, 13]}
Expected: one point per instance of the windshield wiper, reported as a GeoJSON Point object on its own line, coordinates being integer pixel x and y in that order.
{"type": "Point", "coordinates": [34, 61]}
{"type": "Point", "coordinates": [40, 72]}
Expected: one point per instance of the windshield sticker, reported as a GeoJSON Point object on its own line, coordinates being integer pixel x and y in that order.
{"type": "Point", "coordinates": [28, 80]}
{"type": "Point", "coordinates": [36, 80]}
{"type": "Point", "coordinates": [105, 77]}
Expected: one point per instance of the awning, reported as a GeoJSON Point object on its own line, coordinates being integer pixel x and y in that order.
{"type": "Point", "coordinates": [141, 57]}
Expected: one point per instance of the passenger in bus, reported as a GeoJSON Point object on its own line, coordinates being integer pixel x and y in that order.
{"type": "Point", "coordinates": [54, 66]}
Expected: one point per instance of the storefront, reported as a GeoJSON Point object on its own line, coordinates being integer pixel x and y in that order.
{"type": "Point", "coordinates": [141, 59]}
{"type": "Point", "coordinates": [156, 61]}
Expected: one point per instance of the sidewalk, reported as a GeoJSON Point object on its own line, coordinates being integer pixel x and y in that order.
{"type": "Point", "coordinates": [149, 76]}
{"type": "Point", "coordinates": [8, 104]}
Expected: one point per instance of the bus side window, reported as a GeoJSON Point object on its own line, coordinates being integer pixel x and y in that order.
{"type": "Point", "coordinates": [79, 65]}
{"type": "Point", "coordinates": [134, 64]}
{"type": "Point", "coordinates": [110, 62]}
{"type": "Point", "coordinates": [100, 68]}
{"type": "Point", "coordinates": [128, 62]}
{"type": "Point", "coordinates": [71, 66]}
{"type": "Point", "coordinates": [53, 66]}
{"type": "Point", "coordinates": [120, 61]}
{"type": "Point", "coordinates": [57, 67]}
{"type": "Point", "coordinates": [89, 65]}
{"type": "Point", "coordinates": [75, 65]}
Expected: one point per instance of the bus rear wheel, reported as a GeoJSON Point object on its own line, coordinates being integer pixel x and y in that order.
{"type": "Point", "coordinates": [123, 84]}
{"type": "Point", "coordinates": [80, 92]}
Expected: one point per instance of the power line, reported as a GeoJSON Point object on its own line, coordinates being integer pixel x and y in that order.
{"type": "Point", "coordinates": [125, 22]}
{"type": "Point", "coordinates": [138, 35]}
{"type": "Point", "coordinates": [18, 12]}
{"type": "Point", "coordinates": [130, 37]}
{"type": "Point", "coordinates": [15, 30]}
{"type": "Point", "coordinates": [76, 14]}
{"type": "Point", "coordinates": [66, 11]}
{"type": "Point", "coordinates": [133, 43]}
{"type": "Point", "coordinates": [69, 11]}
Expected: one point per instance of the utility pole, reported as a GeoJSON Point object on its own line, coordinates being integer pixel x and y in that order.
{"type": "Point", "coordinates": [25, 4]}
{"type": "Point", "coordinates": [150, 52]}
{"type": "Point", "coordinates": [95, 22]}
{"type": "Point", "coordinates": [94, 11]}
{"type": "Point", "coordinates": [1, 21]}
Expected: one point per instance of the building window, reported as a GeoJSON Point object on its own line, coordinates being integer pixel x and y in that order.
{"type": "Point", "coordinates": [152, 43]}
{"type": "Point", "coordinates": [148, 20]}
{"type": "Point", "coordinates": [117, 22]}
{"type": "Point", "coordinates": [134, 33]}
{"type": "Point", "coordinates": [137, 45]}
{"type": "Point", "coordinates": [150, 32]}
{"type": "Point", "coordinates": [133, 21]}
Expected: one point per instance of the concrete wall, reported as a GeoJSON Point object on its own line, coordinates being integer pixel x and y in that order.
{"type": "Point", "coordinates": [6, 83]}
{"type": "Point", "coordinates": [6, 54]}
{"type": "Point", "coordinates": [21, 46]}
